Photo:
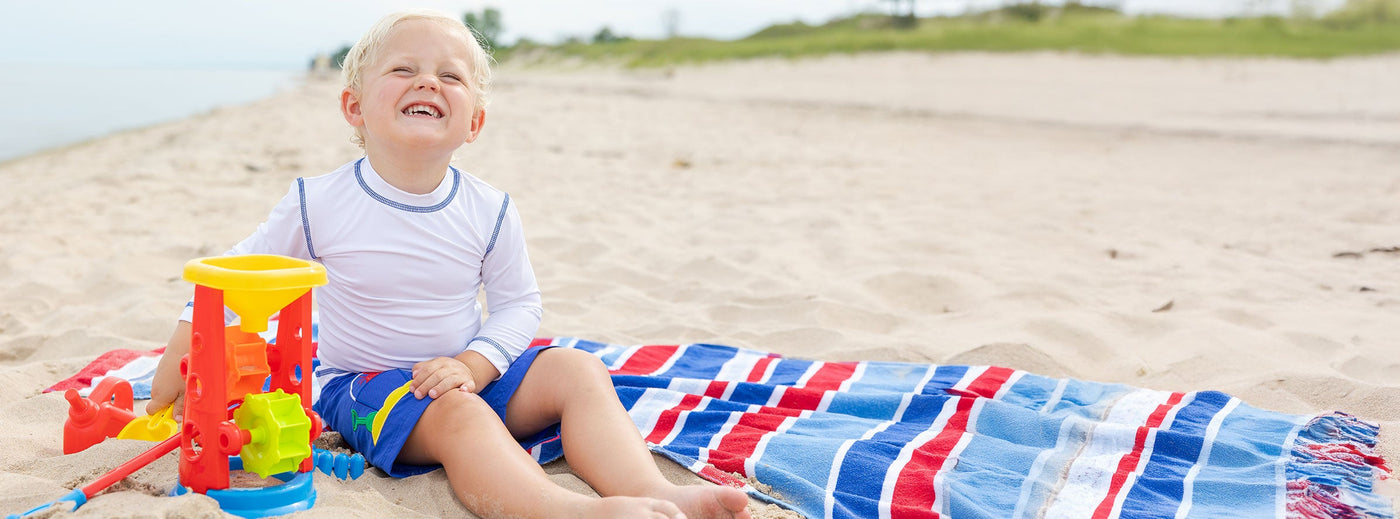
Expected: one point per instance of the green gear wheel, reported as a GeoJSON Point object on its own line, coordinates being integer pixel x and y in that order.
{"type": "Point", "coordinates": [280, 432]}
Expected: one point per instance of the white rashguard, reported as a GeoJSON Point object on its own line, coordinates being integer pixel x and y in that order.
{"type": "Point", "coordinates": [405, 269]}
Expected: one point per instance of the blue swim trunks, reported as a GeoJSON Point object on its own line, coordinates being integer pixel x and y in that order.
{"type": "Point", "coordinates": [375, 412]}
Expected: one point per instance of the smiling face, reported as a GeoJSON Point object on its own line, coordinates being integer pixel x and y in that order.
{"type": "Point", "coordinates": [415, 94]}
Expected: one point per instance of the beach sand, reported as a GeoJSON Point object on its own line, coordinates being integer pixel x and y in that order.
{"type": "Point", "coordinates": [1177, 224]}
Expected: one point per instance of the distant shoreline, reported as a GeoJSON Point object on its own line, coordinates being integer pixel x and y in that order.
{"type": "Point", "coordinates": [295, 79]}
{"type": "Point", "coordinates": [58, 115]}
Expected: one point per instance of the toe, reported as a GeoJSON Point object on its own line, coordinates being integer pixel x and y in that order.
{"type": "Point", "coordinates": [668, 509]}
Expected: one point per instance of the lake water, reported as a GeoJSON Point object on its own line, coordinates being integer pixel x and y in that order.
{"type": "Point", "coordinates": [45, 106]}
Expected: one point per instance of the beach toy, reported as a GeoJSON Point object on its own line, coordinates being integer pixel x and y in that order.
{"type": "Point", "coordinates": [225, 368]}
{"type": "Point", "coordinates": [80, 496]}
{"type": "Point", "coordinates": [154, 427]}
{"type": "Point", "coordinates": [245, 354]}
{"type": "Point", "coordinates": [294, 494]}
{"type": "Point", "coordinates": [100, 416]}
{"type": "Point", "coordinates": [256, 285]}
{"type": "Point", "coordinates": [270, 431]}
{"type": "Point", "coordinates": [340, 465]}
{"type": "Point", "coordinates": [278, 433]}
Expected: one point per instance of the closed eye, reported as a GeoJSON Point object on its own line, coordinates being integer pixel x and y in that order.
{"type": "Point", "coordinates": [452, 77]}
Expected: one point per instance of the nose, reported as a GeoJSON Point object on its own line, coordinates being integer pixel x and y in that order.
{"type": "Point", "coordinates": [426, 81]}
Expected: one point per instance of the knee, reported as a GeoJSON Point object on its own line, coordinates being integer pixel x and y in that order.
{"type": "Point", "coordinates": [459, 408]}
{"type": "Point", "coordinates": [439, 430]}
{"type": "Point", "coordinates": [576, 366]}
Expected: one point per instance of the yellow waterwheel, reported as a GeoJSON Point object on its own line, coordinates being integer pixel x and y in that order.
{"type": "Point", "coordinates": [279, 432]}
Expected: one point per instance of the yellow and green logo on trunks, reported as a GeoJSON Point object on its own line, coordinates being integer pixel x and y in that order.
{"type": "Point", "coordinates": [383, 413]}
{"type": "Point", "coordinates": [358, 422]}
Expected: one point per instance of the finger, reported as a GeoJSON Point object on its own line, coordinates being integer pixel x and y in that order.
{"type": "Point", "coordinates": [431, 383]}
{"type": "Point", "coordinates": [424, 380]}
{"type": "Point", "coordinates": [161, 398]}
{"type": "Point", "coordinates": [156, 403]}
{"type": "Point", "coordinates": [428, 365]}
{"type": "Point", "coordinates": [448, 383]}
{"type": "Point", "coordinates": [178, 407]}
{"type": "Point", "coordinates": [419, 369]}
{"type": "Point", "coordinates": [467, 384]}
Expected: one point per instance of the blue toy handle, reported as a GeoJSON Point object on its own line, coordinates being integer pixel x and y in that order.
{"type": "Point", "coordinates": [340, 465]}
{"type": "Point", "coordinates": [77, 497]}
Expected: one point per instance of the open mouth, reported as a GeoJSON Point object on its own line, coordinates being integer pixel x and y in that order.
{"type": "Point", "coordinates": [422, 110]}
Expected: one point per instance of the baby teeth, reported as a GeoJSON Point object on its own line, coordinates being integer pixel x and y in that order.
{"type": "Point", "coordinates": [423, 109]}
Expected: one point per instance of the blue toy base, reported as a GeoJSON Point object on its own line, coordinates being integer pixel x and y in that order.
{"type": "Point", "coordinates": [294, 495]}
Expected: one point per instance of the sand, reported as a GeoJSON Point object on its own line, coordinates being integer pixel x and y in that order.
{"type": "Point", "coordinates": [1179, 224]}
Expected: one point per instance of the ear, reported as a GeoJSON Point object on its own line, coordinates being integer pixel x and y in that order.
{"type": "Point", "coordinates": [350, 108]}
{"type": "Point", "coordinates": [478, 120]}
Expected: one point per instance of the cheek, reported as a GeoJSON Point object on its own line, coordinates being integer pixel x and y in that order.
{"type": "Point", "coordinates": [385, 102]}
{"type": "Point", "coordinates": [465, 100]}
{"type": "Point", "coordinates": [385, 99]}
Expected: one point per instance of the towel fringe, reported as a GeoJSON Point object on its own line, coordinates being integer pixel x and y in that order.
{"type": "Point", "coordinates": [1332, 469]}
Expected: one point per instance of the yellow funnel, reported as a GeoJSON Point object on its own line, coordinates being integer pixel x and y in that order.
{"type": "Point", "coordinates": [256, 285]}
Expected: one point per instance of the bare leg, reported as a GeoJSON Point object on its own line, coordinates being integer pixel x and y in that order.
{"type": "Point", "coordinates": [572, 388]}
{"type": "Point", "coordinates": [494, 477]}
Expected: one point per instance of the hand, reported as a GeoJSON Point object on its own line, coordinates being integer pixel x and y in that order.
{"type": "Point", "coordinates": [434, 378]}
{"type": "Point", "coordinates": [167, 386]}
{"type": "Point", "coordinates": [167, 395]}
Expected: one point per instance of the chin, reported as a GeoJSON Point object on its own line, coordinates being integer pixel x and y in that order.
{"type": "Point", "coordinates": [428, 147]}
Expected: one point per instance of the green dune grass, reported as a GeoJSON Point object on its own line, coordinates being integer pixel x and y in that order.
{"type": "Point", "coordinates": [1087, 30]}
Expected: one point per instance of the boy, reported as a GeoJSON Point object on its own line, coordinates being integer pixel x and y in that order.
{"type": "Point", "coordinates": [407, 242]}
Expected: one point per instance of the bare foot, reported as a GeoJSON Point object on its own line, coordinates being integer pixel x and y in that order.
{"type": "Point", "coordinates": [643, 507]}
{"type": "Point", "coordinates": [708, 501]}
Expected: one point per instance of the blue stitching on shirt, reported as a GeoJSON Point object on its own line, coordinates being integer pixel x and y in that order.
{"type": "Point", "coordinates": [305, 222]}
{"type": "Point", "coordinates": [326, 370]}
{"type": "Point", "coordinates": [488, 340]}
{"type": "Point", "coordinates": [456, 182]}
{"type": "Point", "coordinates": [497, 231]}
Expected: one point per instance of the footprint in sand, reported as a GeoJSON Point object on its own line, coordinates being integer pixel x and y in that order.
{"type": "Point", "coordinates": [919, 293]}
{"type": "Point", "coordinates": [1368, 368]}
{"type": "Point", "coordinates": [1245, 319]}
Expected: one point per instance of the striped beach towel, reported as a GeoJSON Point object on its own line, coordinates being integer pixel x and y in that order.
{"type": "Point", "coordinates": [901, 440]}
{"type": "Point", "coordinates": [884, 439]}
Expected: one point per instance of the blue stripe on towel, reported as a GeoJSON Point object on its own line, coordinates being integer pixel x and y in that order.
{"type": "Point", "coordinates": [1158, 492]}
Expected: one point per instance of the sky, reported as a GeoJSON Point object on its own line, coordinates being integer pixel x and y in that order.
{"type": "Point", "coordinates": [286, 34]}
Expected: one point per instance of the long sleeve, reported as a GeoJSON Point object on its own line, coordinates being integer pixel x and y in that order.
{"type": "Point", "coordinates": [282, 233]}
{"type": "Point", "coordinates": [512, 295]}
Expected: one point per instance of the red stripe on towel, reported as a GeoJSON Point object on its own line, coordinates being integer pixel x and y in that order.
{"type": "Point", "coordinates": [104, 363]}
{"type": "Point", "coordinates": [668, 418]}
{"type": "Point", "coordinates": [914, 494]}
{"type": "Point", "coordinates": [827, 378]}
{"type": "Point", "coordinates": [760, 369]}
{"type": "Point", "coordinates": [647, 360]}
{"type": "Point", "coordinates": [1129, 462]}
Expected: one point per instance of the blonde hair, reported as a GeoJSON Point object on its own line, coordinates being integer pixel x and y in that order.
{"type": "Point", "coordinates": [367, 50]}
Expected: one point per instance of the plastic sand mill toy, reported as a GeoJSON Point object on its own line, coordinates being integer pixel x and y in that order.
{"type": "Point", "coordinates": [271, 432]}
{"type": "Point", "coordinates": [267, 433]}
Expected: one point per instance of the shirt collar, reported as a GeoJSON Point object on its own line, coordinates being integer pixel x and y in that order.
{"type": "Point", "coordinates": [381, 190]}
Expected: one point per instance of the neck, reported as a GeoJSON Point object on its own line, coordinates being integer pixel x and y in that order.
{"type": "Point", "coordinates": [409, 174]}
